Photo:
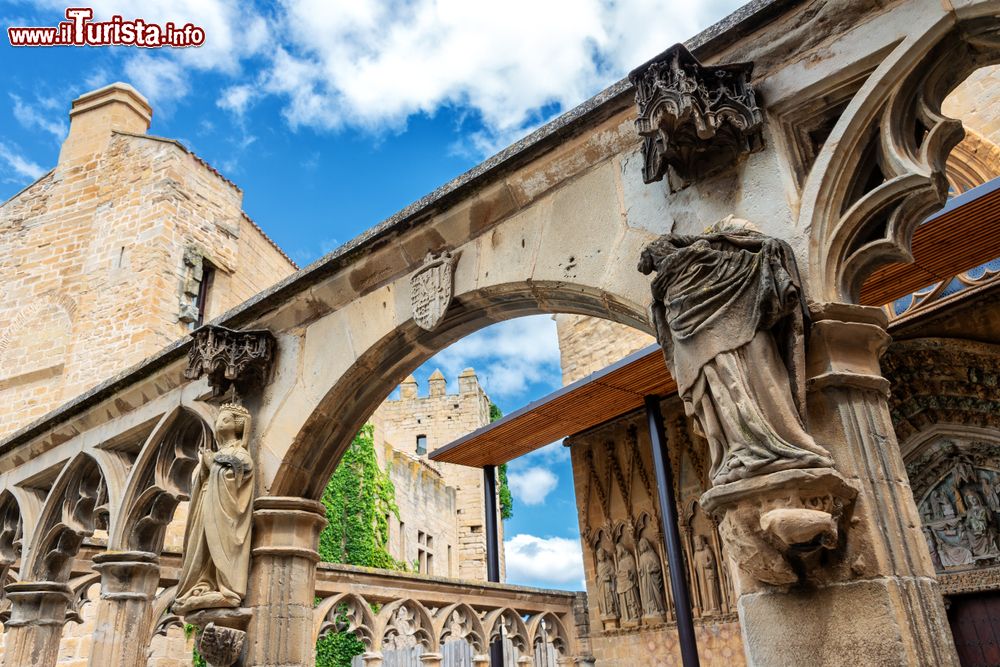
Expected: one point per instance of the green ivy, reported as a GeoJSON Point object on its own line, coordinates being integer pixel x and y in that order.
{"type": "Point", "coordinates": [357, 499]}
{"type": "Point", "coordinates": [196, 659]}
{"type": "Point", "coordinates": [506, 500]}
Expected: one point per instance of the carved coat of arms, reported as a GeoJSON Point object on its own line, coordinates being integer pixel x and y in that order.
{"type": "Point", "coordinates": [431, 289]}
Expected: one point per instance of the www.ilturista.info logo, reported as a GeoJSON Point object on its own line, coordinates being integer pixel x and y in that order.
{"type": "Point", "coordinates": [79, 30]}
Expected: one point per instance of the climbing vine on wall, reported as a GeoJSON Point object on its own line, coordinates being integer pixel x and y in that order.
{"type": "Point", "coordinates": [358, 500]}
{"type": "Point", "coordinates": [503, 490]}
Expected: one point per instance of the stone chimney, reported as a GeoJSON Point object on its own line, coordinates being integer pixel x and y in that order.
{"type": "Point", "coordinates": [95, 115]}
{"type": "Point", "coordinates": [408, 388]}
{"type": "Point", "coordinates": [437, 383]}
{"type": "Point", "coordinates": [468, 383]}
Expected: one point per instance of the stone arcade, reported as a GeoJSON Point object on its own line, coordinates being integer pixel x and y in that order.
{"type": "Point", "coordinates": [796, 448]}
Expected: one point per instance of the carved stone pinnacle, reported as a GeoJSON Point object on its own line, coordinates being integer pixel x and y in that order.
{"type": "Point", "coordinates": [237, 359]}
{"type": "Point", "coordinates": [694, 118]}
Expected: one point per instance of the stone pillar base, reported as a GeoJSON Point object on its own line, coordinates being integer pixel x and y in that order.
{"type": "Point", "coordinates": [856, 623]}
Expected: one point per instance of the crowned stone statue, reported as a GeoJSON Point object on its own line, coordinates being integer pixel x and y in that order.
{"type": "Point", "coordinates": [729, 313]}
{"type": "Point", "coordinates": [216, 558]}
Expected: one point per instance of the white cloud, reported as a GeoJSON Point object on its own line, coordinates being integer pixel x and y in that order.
{"type": "Point", "coordinates": [22, 168]}
{"type": "Point", "coordinates": [532, 485]}
{"type": "Point", "coordinates": [553, 561]}
{"type": "Point", "coordinates": [507, 356]}
{"type": "Point", "coordinates": [372, 65]}
{"type": "Point", "coordinates": [236, 99]}
{"type": "Point", "coordinates": [39, 116]}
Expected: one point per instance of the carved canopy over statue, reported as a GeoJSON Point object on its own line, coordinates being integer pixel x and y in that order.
{"type": "Point", "coordinates": [729, 314]}
{"type": "Point", "coordinates": [217, 538]}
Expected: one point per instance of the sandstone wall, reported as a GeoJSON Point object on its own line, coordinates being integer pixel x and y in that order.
{"type": "Point", "coordinates": [975, 101]}
{"type": "Point", "coordinates": [92, 256]}
{"type": "Point", "coordinates": [588, 344]}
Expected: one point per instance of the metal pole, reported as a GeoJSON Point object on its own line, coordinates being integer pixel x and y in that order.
{"type": "Point", "coordinates": [671, 534]}
{"type": "Point", "coordinates": [492, 547]}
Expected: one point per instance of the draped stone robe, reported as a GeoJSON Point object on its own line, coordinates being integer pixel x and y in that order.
{"type": "Point", "coordinates": [729, 314]}
{"type": "Point", "coordinates": [217, 538]}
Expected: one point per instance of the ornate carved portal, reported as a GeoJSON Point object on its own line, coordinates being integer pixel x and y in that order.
{"type": "Point", "coordinates": [729, 313]}
{"type": "Point", "coordinates": [694, 119]}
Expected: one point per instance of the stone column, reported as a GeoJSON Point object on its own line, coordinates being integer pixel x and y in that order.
{"type": "Point", "coordinates": [282, 581]}
{"type": "Point", "coordinates": [880, 604]}
{"type": "Point", "coordinates": [430, 659]}
{"type": "Point", "coordinates": [372, 658]}
{"type": "Point", "coordinates": [38, 613]}
{"type": "Point", "coordinates": [124, 614]}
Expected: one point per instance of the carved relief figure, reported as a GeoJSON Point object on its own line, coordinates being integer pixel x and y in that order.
{"type": "Point", "coordinates": [626, 584]}
{"type": "Point", "coordinates": [217, 536]}
{"type": "Point", "coordinates": [607, 600]}
{"type": "Point", "coordinates": [650, 580]}
{"type": "Point", "coordinates": [981, 536]}
{"type": "Point", "coordinates": [708, 577]}
{"type": "Point", "coordinates": [728, 310]}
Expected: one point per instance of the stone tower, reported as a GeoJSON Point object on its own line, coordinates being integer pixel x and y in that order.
{"type": "Point", "coordinates": [406, 430]}
{"type": "Point", "coordinates": [126, 244]}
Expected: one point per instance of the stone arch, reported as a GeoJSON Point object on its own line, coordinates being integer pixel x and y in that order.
{"type": "Point", "coordinates": [548, 630]}
{"type": "Point", "coordinates": [403, 624]}
{"type": "Point", "coordinates": [159, 480]}
{"type": "Point", "coordinates": [505, 623]}
{"type": "Point", "coordinates": [351, 398]}
{"type": "Point", "coordinates": [460, 622]}
{"type": "Point", "coordinates": [883, 168]}
{"type": "Point", "coordinates": [345, 612]}
{"type": "Point", "coordinates": [74, 508]}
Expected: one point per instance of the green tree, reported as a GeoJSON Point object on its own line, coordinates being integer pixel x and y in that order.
{"type": "Point", "coordinates": [506, 500]}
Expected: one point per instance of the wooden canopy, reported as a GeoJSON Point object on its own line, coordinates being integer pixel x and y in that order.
{"type": "Point", "coordinates": [963, 235]}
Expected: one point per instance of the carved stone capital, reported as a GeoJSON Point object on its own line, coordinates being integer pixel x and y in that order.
{"type": "Point", "coordinates": [694, 118]}
{"type": "Point", "coordinates": [782, 527]}
{"type": "Point", "coordinates": [238, 359]}
{"type": "Point", "coordinates": [38, 603]}
{"type": "Point", "coordinates": [128, 575]}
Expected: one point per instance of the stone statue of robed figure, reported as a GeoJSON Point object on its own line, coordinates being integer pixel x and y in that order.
{"type": "Point", "coordinates": [729, 313]}
{"type": "Point", "coordinates": [216, 558]}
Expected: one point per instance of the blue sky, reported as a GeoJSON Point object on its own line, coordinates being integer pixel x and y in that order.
{"type": "Point", "coordinates": [332, 115]}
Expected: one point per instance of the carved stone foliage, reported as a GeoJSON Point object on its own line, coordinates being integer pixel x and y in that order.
{"type": "Point", "coordinates": [956, 483]}
{"type": "Point", "coordinates": [76, 506]}
{"type": "Point", "coordinates": [11, 529]}
{"type": "Point", "coordinates": [160, 480]}
{"type": "Point", "coordinates": [694, 118]}
{"type": "Point", "coordinates": [221, 646]}
{"type": "Point", "coordinates": [431, 289]}
{"type": "Point", "coordinates": [406, 627]}
{"type": "Point", "coordinates": [883, 169]}
{"type": "Point", "coordinates": [237, 360]}
{"type": "Point", "coordinates": [942, 381]}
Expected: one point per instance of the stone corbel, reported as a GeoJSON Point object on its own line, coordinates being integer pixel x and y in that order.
{"type": "Point", "coordinates": [694, 119]}
{"type": "Point", "coordinates": [782, 528]}
{"type": "Point", "coordinates": [237, 360]}
{"type": "Point", "coordinates": [222, 640]}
